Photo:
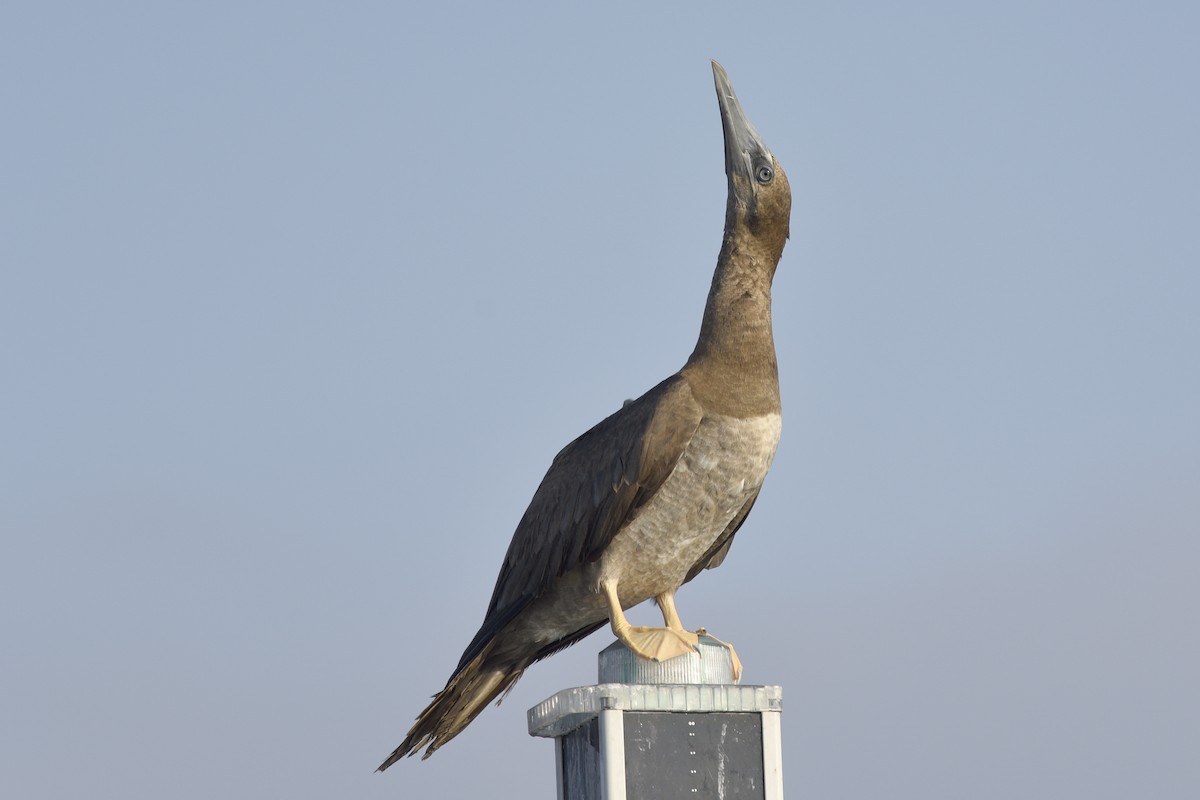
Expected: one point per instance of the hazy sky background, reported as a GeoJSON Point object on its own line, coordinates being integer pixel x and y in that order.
{"type": "Point", "coordinates": [297, 302]}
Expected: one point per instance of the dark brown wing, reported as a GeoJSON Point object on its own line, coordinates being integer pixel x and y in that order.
{"type": "Point", "coordinates": [720, 548]}
{"type": "Point", "coordinates": [594, 487]}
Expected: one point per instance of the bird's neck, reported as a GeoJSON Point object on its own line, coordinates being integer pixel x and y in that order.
{"type": "Point", "coordinates": [733, 368]}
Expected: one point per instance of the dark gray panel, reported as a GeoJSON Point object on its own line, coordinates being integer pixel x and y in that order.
{"type": "Point", "coordinates": [674, 756]}
{"type": "Point", "coordinates": [581, 762]}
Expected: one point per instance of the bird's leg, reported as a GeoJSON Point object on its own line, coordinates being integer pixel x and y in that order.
{"type": "Point", "coordinates": [656, 644]}
{"type": "Point", "coordinates": [666, 604]}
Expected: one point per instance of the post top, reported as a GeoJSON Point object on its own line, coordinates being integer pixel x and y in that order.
{"type": "Point", "coordinates": [570, 708]}
{"type": "Point", "coordinates": [713, 664]}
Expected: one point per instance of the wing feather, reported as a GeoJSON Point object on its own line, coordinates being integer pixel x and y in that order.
{"type": "Point", "coordinates": [594, 487]}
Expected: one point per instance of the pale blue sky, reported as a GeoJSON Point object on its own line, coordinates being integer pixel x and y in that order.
{"type": "Point", "coordinates": [297, 302]}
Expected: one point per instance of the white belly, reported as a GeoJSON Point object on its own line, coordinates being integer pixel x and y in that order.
{"type": "Point", "coordinates": [720, 470]}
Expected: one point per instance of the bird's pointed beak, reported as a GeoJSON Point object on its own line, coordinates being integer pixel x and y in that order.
{"type": "Point", "coordinates": [743, 145]}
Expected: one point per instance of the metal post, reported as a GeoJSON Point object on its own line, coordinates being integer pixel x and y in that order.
{"type": "Point", "coordinates": [674, 729]}
{"type": "Point", "coordinates": [612, 755]}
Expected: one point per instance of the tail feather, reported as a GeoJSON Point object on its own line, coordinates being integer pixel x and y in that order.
{"type": "Point", "coordinates": [453, 708]}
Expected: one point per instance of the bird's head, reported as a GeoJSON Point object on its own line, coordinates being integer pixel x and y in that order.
{"type": "Point", "coordinates": [760, 198]}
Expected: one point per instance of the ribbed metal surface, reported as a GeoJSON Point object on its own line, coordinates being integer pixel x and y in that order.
{"type": "Point", "coordinates": [712, 665]}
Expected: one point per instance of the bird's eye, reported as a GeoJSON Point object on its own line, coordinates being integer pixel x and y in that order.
{"type": "Point", "coordinates": [764, 173]}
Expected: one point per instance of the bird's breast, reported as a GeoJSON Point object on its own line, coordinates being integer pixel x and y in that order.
{"type": "Point", "coordinates": [721, 468]}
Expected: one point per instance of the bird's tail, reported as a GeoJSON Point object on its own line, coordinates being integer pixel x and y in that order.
{"type": "Point", "coordinates": [453, 708]}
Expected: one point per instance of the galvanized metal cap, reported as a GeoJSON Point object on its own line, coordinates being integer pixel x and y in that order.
{"type": "Point", "coordinates": [713, 664]}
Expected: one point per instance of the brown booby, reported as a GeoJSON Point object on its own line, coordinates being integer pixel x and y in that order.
{"type": "Point", "coordinates": [651, 496]}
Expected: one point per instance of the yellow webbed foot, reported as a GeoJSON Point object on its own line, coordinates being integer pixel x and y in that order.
{"type": "Point", "coordinates": [659, 644]}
